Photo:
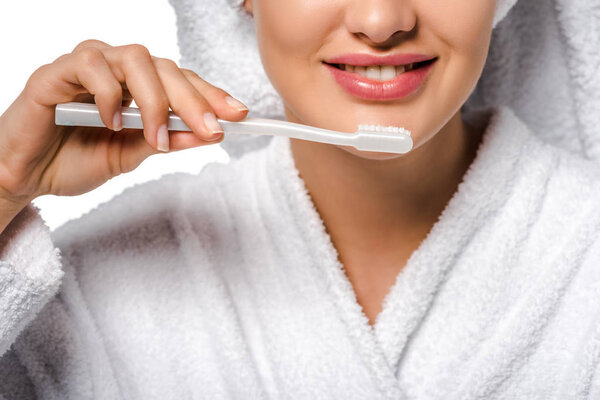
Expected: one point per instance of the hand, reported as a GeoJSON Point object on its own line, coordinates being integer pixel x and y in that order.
{"type": "Point", "coordinates": [37, 157]}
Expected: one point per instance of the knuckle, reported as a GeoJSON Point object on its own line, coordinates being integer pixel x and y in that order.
{"type": "Point", "coordinates": [110, 91]}
{"type": "Point", "coordinates": [83, 43]}
{"type": "Point", "coordinates": [214, 91]}
{"type": "Point", "coordinates": [37, 76]}
{"type": "Point", "coordinates": [197, 107]}
{"type": "Point", "coordinates": [41, 70]}
{"type": "Point", "coordinates": [157, 104]}
{"type": "Point", "coordinates": [194, 78]}
{"type": "Point", "coordinates": [181, 110]}
{"type": "Point", "coordinates": [117, 89]}
{"type": "Point", "coordinates": [165, 63]}
{"type": "Point", "coordinates": [196, 81]}
{"type": "Point", "coordinates": [88, 43]}
{"type": "Point", "coordinates": [91, 56]}
{"type": "Point", "coordinates": [188, 72]}
{"type": "Point", "coordinates": [203, 86]}
{"type": "Point", "coordinates": [200, 102]}
{"type": "Point", "coordinates": [161, 100]}
{"type": "Point", "coordinates": [211, 93]}
{"type": "Point", "coordinates": [136, 51]}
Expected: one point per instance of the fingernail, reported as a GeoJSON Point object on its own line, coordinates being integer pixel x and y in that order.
{"type": "Point", "coordinates": [162, 138]}
{"type": "Point", "coordinates": [117, 121]}
{"type": "Point", "coordinates": [215, 136]}
{"type": "Point", "coordinates": [238, 105]}
{"type": "Point", "coordinates": [212, 124]}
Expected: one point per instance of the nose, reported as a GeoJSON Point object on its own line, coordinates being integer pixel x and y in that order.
{"type": "Point", "coordinates": [381, 23]}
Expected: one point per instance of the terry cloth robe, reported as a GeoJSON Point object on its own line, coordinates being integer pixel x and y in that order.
{"type": "Point", "coordinates": [226, 285]}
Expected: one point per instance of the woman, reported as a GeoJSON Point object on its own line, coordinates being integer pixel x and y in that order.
{"type": "Point", "coordinates": [463, 269]}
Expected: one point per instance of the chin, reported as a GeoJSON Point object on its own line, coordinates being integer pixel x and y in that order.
{"type": "Point", "coordinates": [371, 155]}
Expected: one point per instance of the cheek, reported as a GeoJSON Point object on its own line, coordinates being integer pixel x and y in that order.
{"type": "Point", "coordinates": [290, 27]}
{"type": "Point", "coordinates": [462, 29]}
{"type": "Point", "coordinates": [290, 34]}
{"type": "Point", "coordinates": [464, 25]}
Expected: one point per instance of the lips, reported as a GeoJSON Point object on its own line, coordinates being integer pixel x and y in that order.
{"type": "Point", "coordinates": [399, 87]}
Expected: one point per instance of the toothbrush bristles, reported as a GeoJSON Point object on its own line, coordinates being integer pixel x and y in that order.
{"type": "Point", "coordinates": [379, 128]}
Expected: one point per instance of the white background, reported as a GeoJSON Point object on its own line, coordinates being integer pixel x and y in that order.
{"type": "Point", "coordinates": [35, 32]}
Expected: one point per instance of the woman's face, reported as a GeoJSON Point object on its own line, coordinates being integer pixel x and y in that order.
{"type": "Point", "coordinates": [297, 37]}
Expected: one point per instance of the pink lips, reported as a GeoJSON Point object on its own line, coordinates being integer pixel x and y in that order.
{"type": "Point", "coordinates": [363, 87]}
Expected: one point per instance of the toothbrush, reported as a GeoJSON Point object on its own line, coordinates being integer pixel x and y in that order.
{"type": "Point", "coordinates": [387, 139]}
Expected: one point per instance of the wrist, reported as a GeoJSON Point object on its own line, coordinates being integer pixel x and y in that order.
{"type": "Point", "coordinates": [8, 210]}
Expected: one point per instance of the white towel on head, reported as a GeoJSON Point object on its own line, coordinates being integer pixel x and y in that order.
{"type": "Point", "coordinates": [543, 63]}
{"type": "Point", "coordinates": [502, 8]}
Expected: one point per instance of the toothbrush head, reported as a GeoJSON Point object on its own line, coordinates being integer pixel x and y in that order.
{"type": "Point", "coordinates": [387, 139]}
{"type": "Point", "coordinates": [380, 128]}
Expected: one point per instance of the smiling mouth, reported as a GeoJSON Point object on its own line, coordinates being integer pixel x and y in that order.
{"type": "Point", "coordinates": [381, 72]}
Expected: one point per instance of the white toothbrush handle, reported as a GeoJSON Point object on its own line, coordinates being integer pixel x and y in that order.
{"type": "Point", "coordinates": [87, 114]}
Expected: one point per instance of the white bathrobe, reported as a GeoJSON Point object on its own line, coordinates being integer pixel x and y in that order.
{"type": "Point", "coordinates": [226, 285]}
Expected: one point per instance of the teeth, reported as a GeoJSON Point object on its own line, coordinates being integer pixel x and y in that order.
{"type": "Point", "coordinates": [388, 72]}
{"type": "Point", "coordinates": [374, 72]}
{"type": "Point", "coordinates": [378, 72]}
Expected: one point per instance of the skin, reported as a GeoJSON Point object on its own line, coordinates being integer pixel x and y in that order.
{"type": "Point", "coordinates": [38, 157]}
{"type": "Point", "coordinates": [377, 207]}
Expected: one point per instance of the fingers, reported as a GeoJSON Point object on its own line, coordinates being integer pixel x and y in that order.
{"type": "Point", "coordinates": [199, 110]}
{"type": "Point", "coordinates": [96, 75]}
{"type": "Point", "coordinates": [186, 101]}
{"type": "Point", "coordinates": [117, 75]}
{"type": "Point", "coordinates": [226, 106]}
{"type": "Point", "coordinates": [67, 78]}
{"type": "Point", "coordinates": [176, 88]}
{"type": "Point", "coordinates": [132, 64]}
{"type": "Point", "coordinates": [126, 95]}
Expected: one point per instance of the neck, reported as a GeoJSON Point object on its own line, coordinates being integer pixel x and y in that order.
{"type": "Point", "coordinates": [367, 204]}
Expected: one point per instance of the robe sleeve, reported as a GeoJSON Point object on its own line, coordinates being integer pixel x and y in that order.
{"type": "Point", "coordinates": [50, 344]}
{"type": "Point", "coordinates": [30, 272]}
{"type": "Point", "coordinates": [30, 276]}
